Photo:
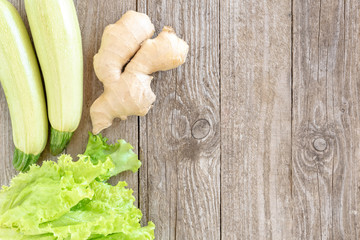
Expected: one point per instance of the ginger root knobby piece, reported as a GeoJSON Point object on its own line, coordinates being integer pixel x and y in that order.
{"type": "Point", "coordinates": [120, 41]}
{"type": "Point", "coordinates": [129, 93]}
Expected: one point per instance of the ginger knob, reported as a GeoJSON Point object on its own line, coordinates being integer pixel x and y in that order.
{"type": "Point", "coordinates": [128, 93]}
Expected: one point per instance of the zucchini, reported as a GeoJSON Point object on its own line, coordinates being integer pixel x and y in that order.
{"type": "Point", "coordinates": [57, 38]}
{"type": "Point", "coordinates": [21, 80]}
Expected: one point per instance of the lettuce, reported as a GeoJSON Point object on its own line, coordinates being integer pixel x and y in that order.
{"type": "Point", "coordinates": [71, 200]}
{"type": "Point", "coordinates": [125, 158]}
{"type": "Point", "coordinates": [8, 233]}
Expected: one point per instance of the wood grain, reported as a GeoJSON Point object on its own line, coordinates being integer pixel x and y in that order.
{"type": "Point", "coordinates": [326, 109]}
{"type": "Point", "coordinates": [255, 119]}
{"type": "Point", "coordinates": [256, 136]}
{"type": "Point", "coordinates": [181, 193]}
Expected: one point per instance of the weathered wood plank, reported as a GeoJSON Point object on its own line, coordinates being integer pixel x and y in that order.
{"type": "Point", "coordinates": [326, 119]}
{"type": "Point", "coordinates": [94, 16]}
{"type": "Point", "coordinates": [255, 119]}
{"type": "Point", "coordinates": [180, 137]}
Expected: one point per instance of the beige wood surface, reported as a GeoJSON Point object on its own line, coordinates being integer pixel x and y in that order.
{"type": "Point", "coordinates": [256, 119]}
{"type": "Point", "coordinates": [256, 136]}
{"type": "Point", "coordinates": [180, 137]}
{"type": "Point", "coordinates": [326, 119]}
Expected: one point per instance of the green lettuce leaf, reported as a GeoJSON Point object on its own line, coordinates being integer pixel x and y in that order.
{"type": "Point", "coordinates": [70, 200]}
{"type": "Point", "coordinates": [111, 210]}
{"type": "Point", "coordinates": [11, 234]}
{"type": "Point", "coordinates": [138, 234]}
{"type": "Point", "coordinates": [46, 193]}
{"type": "Point", "coordinates": [120, 153]}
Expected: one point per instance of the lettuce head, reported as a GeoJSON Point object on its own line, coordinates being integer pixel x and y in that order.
{"type": "Point", "coordinates": [71, 200]}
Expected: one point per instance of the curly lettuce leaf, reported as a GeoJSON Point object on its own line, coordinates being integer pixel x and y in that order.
{"type": "Point", "coordinates": [70, 200]}
{"type": "Point", "coordinates": [11, 234]}
{"type": "Point", "coordinates": [138, 234]}
{"type": "Point", "coordinates": [111, 210]}
{"type": "Point", "coordinates": [120, 154]}
{"type": "Point", "coordinates": [46, 193]}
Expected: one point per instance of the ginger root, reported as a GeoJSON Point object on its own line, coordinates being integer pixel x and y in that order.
{"type": "Point", "coordinates": [129, 93]}
{"type": "Point", "coordinates": [119, 43]}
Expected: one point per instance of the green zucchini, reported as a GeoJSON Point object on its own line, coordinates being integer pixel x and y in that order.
{"type": "Point", "coordinates": [57, 38]}
{"type": "Point", "coordinates": [21, 80]}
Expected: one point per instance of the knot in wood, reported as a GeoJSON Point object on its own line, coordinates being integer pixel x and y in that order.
{"type": "Point", "coordinates": [320, 144]}
{"type": "Point", "coordinates": [200, 129]}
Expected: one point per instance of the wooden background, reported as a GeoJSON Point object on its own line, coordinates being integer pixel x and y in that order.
{"type": "Point", "coordinates": [256, 136]}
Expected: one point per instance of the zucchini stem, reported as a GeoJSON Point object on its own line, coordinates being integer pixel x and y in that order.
{"type": "Point", "coordinates": [22, 161]}
{"type": "Point", "coordinates": [59, 141]}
